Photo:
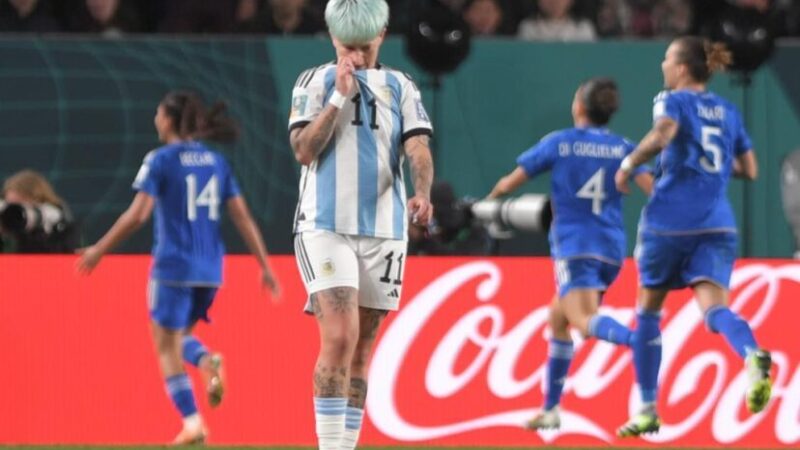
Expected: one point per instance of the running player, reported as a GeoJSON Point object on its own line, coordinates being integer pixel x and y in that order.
{"type": "Point", "coordinates": [587, 237]}
{"type": "Point", "coordinates": [186, 182]}
{"type": "Point", "coordinates": [352, 124]}
{"type": "Point", "coordinates": [687, 233]}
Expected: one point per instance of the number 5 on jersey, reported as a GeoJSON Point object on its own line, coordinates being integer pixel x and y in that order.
{"type": "Point", "coordinates": [208, 197]}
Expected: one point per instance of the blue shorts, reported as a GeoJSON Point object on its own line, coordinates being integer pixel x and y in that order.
{"type": "Point", "coordinates": [584, 273]}
{"type": "Point", "coordinates": [177, 307]}
{"type": "Point", "coordinates": [674, 262]}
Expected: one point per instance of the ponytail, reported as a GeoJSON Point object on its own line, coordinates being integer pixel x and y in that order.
{"type": "Point", "coordinates": [192, 120]}
{"type": "Point", "coordinates": [703, 57]}
{"type": "Point", "coordinates": [718, 57]}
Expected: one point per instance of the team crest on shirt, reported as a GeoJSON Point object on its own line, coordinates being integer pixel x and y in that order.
{"type": "Point", "coordinates": [385, 95]}
{"type": "Point", "coordinates": [328, 268]}
{"type": "Point", "coordinates": [299, 105]}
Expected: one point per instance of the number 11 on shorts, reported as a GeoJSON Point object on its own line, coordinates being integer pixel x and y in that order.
{"type": "Point", "coordinates": [386, 278]}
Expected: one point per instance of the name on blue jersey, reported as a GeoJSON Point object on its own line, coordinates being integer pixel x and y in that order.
{"type": "Point", "coordinates": [716, 113]}
{"type": "Point", "coordinates": [195, 159]}
{"type": "Point", "coordinates": [591, 150]}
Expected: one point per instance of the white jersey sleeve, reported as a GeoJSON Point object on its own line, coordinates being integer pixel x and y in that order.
{"type": "Point", "coordinates": [415, 118]}
{"type": "Point", "coordinates": [308, 96]}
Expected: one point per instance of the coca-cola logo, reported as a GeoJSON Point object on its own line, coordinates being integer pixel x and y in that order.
{"type": "Point", "coordinates": [716, 405]}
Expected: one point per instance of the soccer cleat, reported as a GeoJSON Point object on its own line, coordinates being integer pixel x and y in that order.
{"type": "Point", "coordinates": [215, 380]}
{"type": "Point", "coordinates": [643, 423]}
{"type": "Point", "coordinates": [758, 364]}
{"type": "Point", "coordinates": [547, 419]}
{"type": "Point", "coordinates": [191, 436]}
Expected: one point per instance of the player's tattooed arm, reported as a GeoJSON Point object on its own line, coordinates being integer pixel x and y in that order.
{"type": "Point", "coordinates": [419, 155]}
{"type": "Point", "coordinates": [421, 162]}
{"type": "Point", "coordinates": [654, 141]}
{"type": "Point", "coordinates": [309, 141]}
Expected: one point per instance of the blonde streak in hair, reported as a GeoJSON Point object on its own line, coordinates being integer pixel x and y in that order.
{"type": "Point", "coordinates": [718, 57]}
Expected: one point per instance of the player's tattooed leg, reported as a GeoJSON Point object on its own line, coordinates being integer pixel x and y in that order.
{"type": "Point", "coordinates": [329, 381]}
{"type": "Point", "coordinates": [315, 306]}
{"type": "Point", "coordinates": [358, 393]}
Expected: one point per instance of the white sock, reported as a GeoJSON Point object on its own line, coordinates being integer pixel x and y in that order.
{"type": "Point", "coordinates": [352, 428]}
{"type": "Point", "coordinates": [330, 418]}
{"type": "Point", "coordinates": [193, 421]}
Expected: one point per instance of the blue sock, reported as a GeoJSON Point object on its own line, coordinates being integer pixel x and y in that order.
{"type": "Point", "coordinates": [608, 329]}
{"type": "Point", "coordinates": [179, 388]}
{"type": "Point", "coordinates": [720, 319]}
{"type": "Point", "coordinates": [646, 344]}
{"type": "Point", "coordinates": [193, 350]}
{"type": "Point", "coordinates": [559, 359]}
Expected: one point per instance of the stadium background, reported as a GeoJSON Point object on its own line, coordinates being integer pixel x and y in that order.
{"type": "Point", "coordinates": [80, 111]}
{"type": "Point", "coordinates": [80, 366]}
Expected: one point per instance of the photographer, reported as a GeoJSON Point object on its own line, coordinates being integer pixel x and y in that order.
{"type": "Point", "coordinates": [33, 219]}
{"type": "Point", "coordinates": [453, 230]}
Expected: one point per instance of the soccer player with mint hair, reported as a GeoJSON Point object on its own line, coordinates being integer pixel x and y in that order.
{"type": "Point", "coordinates": [352, 125]}
{"type": "Point", "coordinates": [687, 232]}
{"type": "Point", "coordinates": [587, 237]}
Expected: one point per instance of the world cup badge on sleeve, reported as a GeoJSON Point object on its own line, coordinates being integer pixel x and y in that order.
{"type": "Point", "coordinates": [299, 105]}
{"type": "Point", "coordinates": [421, 114]}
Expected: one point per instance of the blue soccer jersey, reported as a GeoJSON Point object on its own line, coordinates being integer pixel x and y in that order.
{"type": "Point", "coordinates": [692, 173]}
{"type": "Point", "coordinates": [587, 208]}
{"type": "Point", "coordinates": [190, 183]}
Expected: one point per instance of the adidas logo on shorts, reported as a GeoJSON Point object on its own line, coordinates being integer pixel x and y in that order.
{"type": "Point", "coordinates": [394, 293]}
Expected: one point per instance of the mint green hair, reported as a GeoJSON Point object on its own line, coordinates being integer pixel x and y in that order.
{"type": "Point", "coordinates": [356, 21]}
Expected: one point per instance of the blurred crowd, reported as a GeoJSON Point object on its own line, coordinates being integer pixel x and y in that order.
{"type": "Point", "coordinates": [551, 20]}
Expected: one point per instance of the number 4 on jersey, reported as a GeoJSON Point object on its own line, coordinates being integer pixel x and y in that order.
{"type": "Point", "coordinates": [593, 190]}
{"type": "Point", "coordinates": [209, 197]}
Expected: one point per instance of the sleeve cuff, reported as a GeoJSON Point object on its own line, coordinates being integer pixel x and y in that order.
{"type": "Point", "coordinates": [298, 124]}
{"type": "Point", "coordinates": [417, 132]}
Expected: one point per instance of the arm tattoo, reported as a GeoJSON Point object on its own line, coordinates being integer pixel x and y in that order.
{"type": "Point", "coordinates": [358, 393]}
{"type": "Point", "coordinates": [316, 135]}
{"type": "Point", "coordinates": [419, 155]}
{"type": "Point", "coordinates": [654, 141]}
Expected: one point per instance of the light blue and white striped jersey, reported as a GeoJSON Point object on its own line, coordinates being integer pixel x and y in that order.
{"type": "Point", "coordinates": [356, 184]}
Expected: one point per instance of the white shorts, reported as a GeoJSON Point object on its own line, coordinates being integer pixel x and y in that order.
{"type": "Point", "coordinates": [374, 266]}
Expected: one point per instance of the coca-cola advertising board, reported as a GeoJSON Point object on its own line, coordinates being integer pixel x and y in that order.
{"type": "Point", "coordinates": [461, 363]}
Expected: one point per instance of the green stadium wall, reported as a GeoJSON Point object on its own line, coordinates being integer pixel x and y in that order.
{"type": "Point", "coordinates": [80, 110]}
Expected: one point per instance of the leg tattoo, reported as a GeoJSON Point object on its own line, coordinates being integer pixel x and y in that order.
{"type": "Point", "coordinates": [329, 381]}
{"type": "Point", "coordinates": [358, 393]}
